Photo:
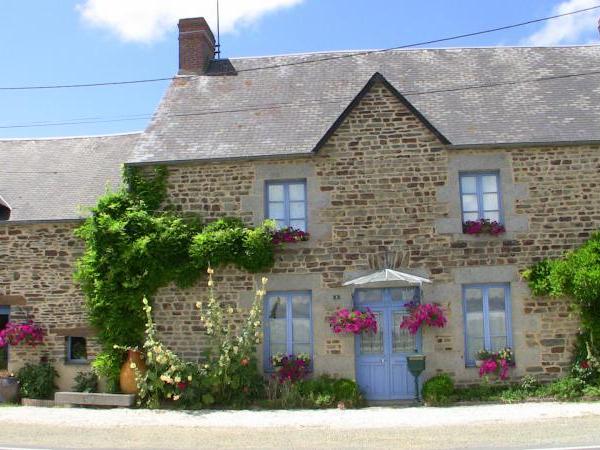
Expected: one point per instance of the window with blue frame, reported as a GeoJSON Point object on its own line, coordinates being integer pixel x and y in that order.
{"type": "Point", "coordinates": [487, 319]}
{"type": "Point", "coordinates": [76, 350]}
{"type": "Point", "coordinates": [286, 203]}
{"type": "Point", "coordinates": [288, 324]}
{"type": "Point", "coordinates": [4, 318]}
{"type": "Point", "coordinates": [480, 196]}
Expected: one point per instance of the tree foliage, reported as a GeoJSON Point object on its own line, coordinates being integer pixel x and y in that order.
{"type": "Point", "coordinates": [133, 247]}
{"type": "Point", "coordinates": [577, 276]}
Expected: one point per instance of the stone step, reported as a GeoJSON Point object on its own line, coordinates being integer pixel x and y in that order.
{"type": "Point", "coordinates": [94, 399]}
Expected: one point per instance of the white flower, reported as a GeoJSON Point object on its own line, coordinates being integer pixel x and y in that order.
{"type": "Point", "coordinates": [210, 271]}
{"type": "Point", "coordinates": [177, 379]}
{"type": "Point", "coordinates": [230, 310]}
{"type": "Point", "coordinates": [189, 378]}
{"type": "Point", "coordinates": [198, 305]}
{"type": "Point", "coordinates": [210, 283]}
{"type": "Point", "coordinates": [176, 397]}
{"type": "Point", "coordinates": [264, 280]}
{"type": "Point", "coordinates": [133, 365]}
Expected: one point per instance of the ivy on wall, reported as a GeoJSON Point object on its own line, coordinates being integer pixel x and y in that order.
{"type": "Point", "coordinates": [132, 248]}
{"type": "Point", "coordinates": [577, 276]}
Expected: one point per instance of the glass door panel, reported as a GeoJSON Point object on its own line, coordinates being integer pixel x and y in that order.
{"type": "Point", "coordinates": [372, 343]}
{"type": "Point", "coordinates": [402, 340]}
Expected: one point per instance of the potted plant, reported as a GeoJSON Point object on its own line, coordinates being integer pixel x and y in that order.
{"type": "Point", "coordinates": [496, 366]}
{"type": "Point", "coordinates": [430, 314]}
{"type": "Point", "coordinates": [289, 234]}
{"type": "Point", "coordinates": [9, 387]}
{"type": "Point", "coordinates": [483, 226]}
{"type": "Point", "coordinates": [481, 356]}
{"type": "Point", "coordinates": [353, 322]}
{"type": "Point", "coordinates": [291, 368]}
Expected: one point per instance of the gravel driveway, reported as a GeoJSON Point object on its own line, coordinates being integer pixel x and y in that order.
{"type": "Point", "coordinates": [522, 426]}
{"type": "Point", "coordinates": [374, 417]}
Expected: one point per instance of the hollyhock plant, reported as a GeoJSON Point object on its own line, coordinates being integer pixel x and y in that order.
{"type": "Point", "coordinates": [289, 234]}
{"type": "Point", "coordinates": [27, 333]}
{"type": "Point", "coordinates": [430, 314]}
{"type": "Point", "coordinates": [483, 226]}
{"type": "Point", "coordinates": [353, 322]}
{"type": "Point", "coordinates": [291, 367]}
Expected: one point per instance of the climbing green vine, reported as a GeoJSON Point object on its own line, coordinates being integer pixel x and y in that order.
{"type": "Point", "coordinates": [577, 276]}
{"type": "Point", "coordinates": [132, 248]}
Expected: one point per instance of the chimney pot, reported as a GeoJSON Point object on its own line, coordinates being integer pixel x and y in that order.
{"type": "Point", "coordinates": [196, 45]}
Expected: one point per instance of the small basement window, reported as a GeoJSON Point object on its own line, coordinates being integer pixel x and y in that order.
{"type": "Point", "coordinates": [76, 350]}
{"type": "Point", "coordinates": [4, 318]}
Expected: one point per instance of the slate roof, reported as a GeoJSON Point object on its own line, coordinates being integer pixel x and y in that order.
{"type": "Point", "coordinates": [50, 179]}
{"type": "Point", "coordinates": [287, 110]}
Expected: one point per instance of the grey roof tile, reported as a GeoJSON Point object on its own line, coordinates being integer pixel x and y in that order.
{"type": "Point", "coordinates": [286, 110]}
{"type": "Point", "coordinates": [52, 179]}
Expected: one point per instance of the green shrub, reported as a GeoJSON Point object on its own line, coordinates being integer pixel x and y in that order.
{"type": "Point", "coordinates": [567, 388]}
{"type": "Point", "coordinates": [439, 390]}
{"type": "Point", "coordinates": [327, 392]}
{"type": "Point", "coordinates": [86, 382]}
{"type": "Point", "coordinates": [37, 381]}
{"type": "Point", "coordinates": [529, 383]}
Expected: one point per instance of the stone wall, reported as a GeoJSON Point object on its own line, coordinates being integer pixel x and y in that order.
{"type": "Point", "coordinates": [384, 182]}
{"type": "Point", "coordinates": [36, 280]}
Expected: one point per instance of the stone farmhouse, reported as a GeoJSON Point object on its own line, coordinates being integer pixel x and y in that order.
{"type": "Point", "coordinates": [381, 157]}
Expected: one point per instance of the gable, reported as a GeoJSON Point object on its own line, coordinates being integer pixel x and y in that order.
{"type": "Point", "coordinates": [375, 79]}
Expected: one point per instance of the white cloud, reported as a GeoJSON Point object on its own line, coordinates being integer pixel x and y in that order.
{"type": "Point", "coordinates": [150, 20]}
{"type": "Point", "coordinates": [579, 28]}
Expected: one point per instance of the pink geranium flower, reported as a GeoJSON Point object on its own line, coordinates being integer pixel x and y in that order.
{"type": "Point", "coordinates": [353, 322]}
{"type": "Point", "coordinates": [28, 333]}
{"type": "Point", "coordinates": [430, 314]}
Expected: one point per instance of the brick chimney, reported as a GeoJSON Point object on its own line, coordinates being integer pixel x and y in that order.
{"type": "Point", "coordinates": [196, 45]}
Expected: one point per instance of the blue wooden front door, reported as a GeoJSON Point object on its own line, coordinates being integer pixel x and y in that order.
{"type": "Point", "coordinates": [381, 370]}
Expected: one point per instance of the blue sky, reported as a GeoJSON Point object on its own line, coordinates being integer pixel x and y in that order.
{"type": "Point", "coordinates": [80, 41]}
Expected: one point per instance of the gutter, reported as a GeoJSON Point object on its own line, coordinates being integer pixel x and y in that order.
{"type": "Point", "coordinates": [40, 221]}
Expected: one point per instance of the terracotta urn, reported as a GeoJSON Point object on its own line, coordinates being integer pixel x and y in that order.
{"type": "Point", "coordinates": [133, 363]}
{"type": "Point", "coordinates": [9, 389]}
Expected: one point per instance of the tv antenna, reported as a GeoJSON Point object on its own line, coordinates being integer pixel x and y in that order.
{"type": "Point", "coordinates": [218, 44]}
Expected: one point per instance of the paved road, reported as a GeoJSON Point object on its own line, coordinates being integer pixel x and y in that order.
{"type": "Point", "coordinates": [546, 431]}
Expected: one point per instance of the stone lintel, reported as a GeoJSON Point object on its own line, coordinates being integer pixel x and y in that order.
{"type": "Point", "coordinates": [11, 300]}
{"type": "Point", "coordinates": [84, 331]}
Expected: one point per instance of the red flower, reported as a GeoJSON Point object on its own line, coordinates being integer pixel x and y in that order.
{"type": "Point", "coordinates": [181, 386]}
{"type": "Point", "coordinates": [585, 364]}
{"type": "Point", "coordinates": [244, 362]}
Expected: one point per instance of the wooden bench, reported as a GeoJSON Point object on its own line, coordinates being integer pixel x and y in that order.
{"type": "Point", "coordinates": [94, 399]}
